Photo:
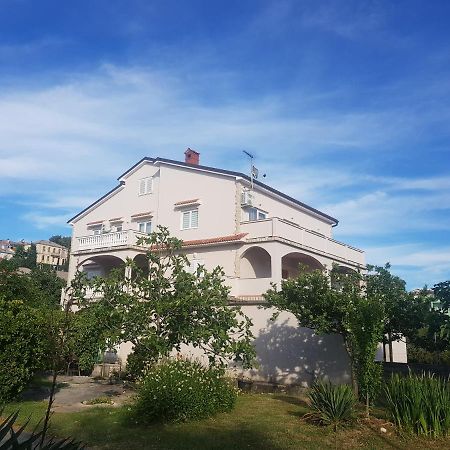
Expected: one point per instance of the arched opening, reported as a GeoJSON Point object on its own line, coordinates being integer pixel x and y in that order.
{"type": "Point", "coordinates": [101, 266]}
{"type": "Point", "coordinates": [293, 262]}
{"type": "Point", "coordinates": [141, 262]}
{"type": "Point", "coordinates": [256, 263]}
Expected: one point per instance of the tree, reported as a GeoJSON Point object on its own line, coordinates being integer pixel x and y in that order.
{"type": "Point", "coordinates": [338, 303]}
{"type": "Point", "coordinates": [41, 288]}
{"type": "Point", "coordinates": [24, 346]}
{"type": "Point", "coordinates": [65, 241]}
{"type": "Point", "coordinates": [25, 258]}
{"type": "Point", "coordinates": [163, 306]}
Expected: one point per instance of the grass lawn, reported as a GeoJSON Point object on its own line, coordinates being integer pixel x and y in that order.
{"type": "Point", "coordinates": [259, 421]}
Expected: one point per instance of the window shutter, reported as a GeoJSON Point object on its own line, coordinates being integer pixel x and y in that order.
{"type": "Point", "coordinates": [194, 218]}
{"type": "Point", "coordinates": [186, 220]}
{"type": "Point", "coordinates": [148, 227]}
{"type": "Point", "coordinates": [148, 185]}
{"type": "Point", "coordinates": [142, 187]}
{"type": "Point", "coordinates": [252, 214]}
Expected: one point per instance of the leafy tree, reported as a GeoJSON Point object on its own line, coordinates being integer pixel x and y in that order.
{"type": "Point", "coordinates": [338, 303]}
{"type": "Point", "coordinates": [47, 284]}
{"type": "Point", "coordinates": [41, 288]}
{"type": "Point", "coordinates": [25, 258]}
{"type": "Point", "coordinates": [24, 346]}
{"type": "Point", "coordinates": [163, 306]}
{"type": "Point", "coordinates": [65, 241]}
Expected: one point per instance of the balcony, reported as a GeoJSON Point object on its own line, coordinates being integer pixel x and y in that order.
{"type": "Point", "coordinates": [276, 228]}
{"type": "Point", "coordinates": [126, 238]}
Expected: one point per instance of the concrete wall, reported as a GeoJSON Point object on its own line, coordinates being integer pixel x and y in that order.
{"type": "Point", "coordinates": [286, 353]}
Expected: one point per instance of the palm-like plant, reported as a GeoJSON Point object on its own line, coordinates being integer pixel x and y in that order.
{"type": "Point", "coordinates": [332, 405]}
{"type": "Point", "coordinates": [17, 439]}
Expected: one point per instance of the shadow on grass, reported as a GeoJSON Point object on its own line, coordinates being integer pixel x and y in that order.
{"type": "Point", "coordinates": [113, 431]}
{"type": "Point", "coordinates": [292, 400]}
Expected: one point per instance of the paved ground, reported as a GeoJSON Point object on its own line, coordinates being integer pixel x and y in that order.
{"type": "Point", "coordinates": [74, 390]}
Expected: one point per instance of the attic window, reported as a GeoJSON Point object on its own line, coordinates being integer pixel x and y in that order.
{"type": "Point", "coordinates": [145, 186]}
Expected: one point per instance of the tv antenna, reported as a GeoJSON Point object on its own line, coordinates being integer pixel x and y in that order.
{"type": "Point", "coordinates": [253, 169]}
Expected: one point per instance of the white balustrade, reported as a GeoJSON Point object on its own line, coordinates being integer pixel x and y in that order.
{"type": "Point", "coordinates": [107, 240]}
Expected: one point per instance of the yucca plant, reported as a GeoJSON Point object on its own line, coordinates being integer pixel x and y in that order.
{"type": "Point", "coordinates": [332, 405]}
{"type": "Point", "coordinates": [419, 404]}
{"type": "Point", "coordinates": [18, 439]}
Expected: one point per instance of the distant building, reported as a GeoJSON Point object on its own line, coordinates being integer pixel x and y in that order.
{"type": "Point", "coordinates": [6, 249]}
{"type": "Point", "coordinates": [50, 253]}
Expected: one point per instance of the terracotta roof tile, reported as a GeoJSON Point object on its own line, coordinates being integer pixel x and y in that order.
{"type": "Point", "coordinates": [215, 240]}
{"type": "Point", "coordinates": [97, 222]}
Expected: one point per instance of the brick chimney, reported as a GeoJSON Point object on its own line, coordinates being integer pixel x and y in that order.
{"type": "Point", "coordinates": [192, 157]}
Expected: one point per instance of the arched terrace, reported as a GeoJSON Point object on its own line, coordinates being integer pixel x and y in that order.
{"type": "Point", "coordinates": [101, 265]}
{"type": "Point", "coordinates": [256, 263]}
{"type": "Point", "coordinates": [293, 262]}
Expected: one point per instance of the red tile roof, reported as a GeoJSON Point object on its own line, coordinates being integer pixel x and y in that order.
{"type": "Point", "coordinates": [199, 242]}
{"type": "Point", "coordinates": [215, 240]}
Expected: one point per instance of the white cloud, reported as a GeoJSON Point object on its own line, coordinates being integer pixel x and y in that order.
{"type": "Point", "coordinates": [45, 221]}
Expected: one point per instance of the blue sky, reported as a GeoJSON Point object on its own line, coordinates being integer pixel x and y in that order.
{"type": "Point", "coordinates": [344, 103]}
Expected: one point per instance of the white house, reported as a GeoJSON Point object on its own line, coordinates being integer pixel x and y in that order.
{"type": "Point", "coordinates": [257, 234]}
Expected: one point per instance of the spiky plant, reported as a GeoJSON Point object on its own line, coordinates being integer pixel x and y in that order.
{"type": "Point", "coordinates": [332, 405]}
{"type": "Point", "coordinates": [18, 439]}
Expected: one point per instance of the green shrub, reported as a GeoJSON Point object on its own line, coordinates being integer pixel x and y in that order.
{"type": "Point", "coordinates": [332, 405]}
{"type": "Point", "coordinates": [419, 404]}
{"type": "Point", "coordinates": [180, 390]}
{"type": "Point", "coordinates": [423, 356]}
{"type": "Point", "coordinates": [24, 346]}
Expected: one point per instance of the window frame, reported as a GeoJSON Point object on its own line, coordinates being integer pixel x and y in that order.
{"type": "Point", "coordinates": [148, 186]}
{"type": "Point", "coordinates": [145, 223]}
{"type": "Point", "coordinates": [190, 226]}
{"type": "Point", "coordinates": [259, 214]}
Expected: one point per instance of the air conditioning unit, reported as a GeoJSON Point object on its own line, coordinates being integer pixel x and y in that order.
{"type": "Point", "coordinates": [247, 198]}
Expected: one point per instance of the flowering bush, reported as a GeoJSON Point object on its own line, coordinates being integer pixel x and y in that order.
{"type": "Point", "coordinates": [180, 390]}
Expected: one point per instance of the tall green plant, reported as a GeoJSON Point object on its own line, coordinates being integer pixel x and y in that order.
{"type": "Point", "coordinates": [419, 404]}
{"type": "Point", "coordinates": [333, 405]}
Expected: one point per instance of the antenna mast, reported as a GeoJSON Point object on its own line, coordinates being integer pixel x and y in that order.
{"type": "Point", "coordinates": [253, 169]}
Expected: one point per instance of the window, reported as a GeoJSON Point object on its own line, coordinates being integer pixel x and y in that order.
{"type": "Point", "coordinates": [145, 227]}
{"type": "Point", "coordinates": [118, 228]}
{"type": "Point", "coordinates": [98, 229]}
{"type": "Point", "coordinates": [256, 214]}
{"type": "Point", "coordinates": [194, 265]}
{"type": "Point", "coordinates": [189, 219]}
{"type": "Point", "coordinates": [145, 186]}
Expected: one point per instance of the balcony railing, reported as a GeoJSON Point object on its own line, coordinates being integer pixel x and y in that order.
{"type": "Point", "coordinates": [107, 240]}
{"type": "Point", "coordinates": [284, 229]}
